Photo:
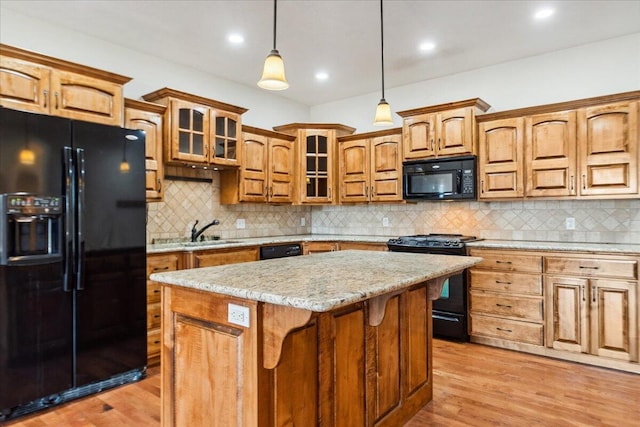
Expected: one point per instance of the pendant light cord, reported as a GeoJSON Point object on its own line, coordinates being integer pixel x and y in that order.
{"type": "Point", "coordinates": [275, 13]}
{"type": "Point", "coordinates": [382, 46]}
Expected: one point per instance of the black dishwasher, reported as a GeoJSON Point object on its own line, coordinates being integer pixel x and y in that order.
{"type": "Point", "coordinates": [280, 251]}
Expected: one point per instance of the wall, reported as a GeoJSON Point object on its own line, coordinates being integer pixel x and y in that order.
{"type": "Point", "coordinates": [607, 221]}
{"type": "Point", "coordinates": [187, 201]}
{"type": "Point", "coordinates": [148, 72]}
{"type": "Point", "coordinates": [603, 68]}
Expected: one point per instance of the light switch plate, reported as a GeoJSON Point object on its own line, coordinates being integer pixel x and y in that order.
{"type": "Point", "coordinates": [570, 223]}
{"type": "Point", "coordinates": [385, 222]}
{"type": "Point", "coordinates": [240, 224]}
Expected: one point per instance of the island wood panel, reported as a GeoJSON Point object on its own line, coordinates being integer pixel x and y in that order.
{"type": "Point", "coordinates": [215, 257]}
{"type": "Point", "coordinates": [209, 366]}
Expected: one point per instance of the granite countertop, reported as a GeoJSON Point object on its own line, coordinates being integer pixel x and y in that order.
{"type": "Point", "coordinates": [614, 248]}
{"type": "Point", "coordinates": [258, 241]}
{"type": "Point", "coordinates": [319, 282]}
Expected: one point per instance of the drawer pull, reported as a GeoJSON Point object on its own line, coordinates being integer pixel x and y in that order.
{"type": "Point", "coordinates": [156, 291]}
{"type": "Point", "coordinates": [156, 316]}
{"type": "Point", "coordinates": [500, 282]}
{"type": "Point", "coordinates": [590, 268]}
{"type": "Point", "coordinates": [503, 262]}
{"type": "Point", "coordinates": [156, 342]}
{"type": "Point", "coordinates": [166, 267]}
{"type": "Point", "coordinates": [504, 330]}
{"type": "Point", "coordinates": [503, 305]}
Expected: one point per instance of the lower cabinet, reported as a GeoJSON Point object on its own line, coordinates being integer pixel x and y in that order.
{"type": "Point", "coordinates": [213, 257]}
{"type": "Point", "coordinates": [575, 306]}
{"type": "Point", "coordinates": [157, 263]}
{"type": "Point", "coordinates": [588, 312]}
{"type": "Point", "coordinates": [309, 248]}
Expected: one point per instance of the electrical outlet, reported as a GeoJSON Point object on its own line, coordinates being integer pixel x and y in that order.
{"type": "Point", "coordinates": [240, 224]}
{"type": "Point", "coordinates": [303, 222]}
{"type": "Point", "coordinates": [570, 223]}
{"type": "Point", "coordinates": [385, 222]}
{"type": "Point", "coordinates": [238, 315]}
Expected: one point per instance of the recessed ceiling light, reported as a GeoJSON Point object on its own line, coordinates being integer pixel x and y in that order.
{"type": "Point", "coordinates": [322, 75]}
{"type": "Point", "coordinates": [427, 46]}
{"type": "Point", "coordinates": [543, 13]}
{"type": "Point", "coordinates": [236, 38]}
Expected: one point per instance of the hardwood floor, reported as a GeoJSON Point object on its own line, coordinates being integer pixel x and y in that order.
{"type": "Point", "coordinates": [474, 385]}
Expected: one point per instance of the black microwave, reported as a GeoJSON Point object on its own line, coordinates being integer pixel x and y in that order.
{"type": "Point", "coordinates": [452, 178]}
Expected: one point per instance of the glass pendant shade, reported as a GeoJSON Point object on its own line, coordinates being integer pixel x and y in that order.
{"type": "Point", "coordinates": [383, 114]}
{"type": "Point", "coordinates": [124, 167]}
{"type": "Point", "coordinates": [27, 157]}
{"type": "Point", "coordinates": [273, 77]}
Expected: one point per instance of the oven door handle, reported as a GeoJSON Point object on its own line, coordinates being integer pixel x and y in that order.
{"type": "Point", "coordinates": [447, 318]}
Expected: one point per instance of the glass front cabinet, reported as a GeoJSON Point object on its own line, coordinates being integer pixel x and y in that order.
{"type": "Point", "coordinates": [199, 131]}
{"type": "Point", "coordinates": [317, 157]}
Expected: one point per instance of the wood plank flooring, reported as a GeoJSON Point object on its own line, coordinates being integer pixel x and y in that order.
{"type": "Point", "coordinates": [474, 385]}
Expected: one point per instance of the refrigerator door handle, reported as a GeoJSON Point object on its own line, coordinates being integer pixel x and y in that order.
{"type": "Point", "coordinates": [80, 220]}
{"type": "Point", "coordinates": [69, 223]}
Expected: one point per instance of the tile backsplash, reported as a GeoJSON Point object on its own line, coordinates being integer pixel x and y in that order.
{"type": "Point", "coordinates": [610, 221]}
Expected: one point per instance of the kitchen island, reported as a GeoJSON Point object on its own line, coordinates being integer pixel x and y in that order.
{"type": "Point", "coordinates": [332, 339]}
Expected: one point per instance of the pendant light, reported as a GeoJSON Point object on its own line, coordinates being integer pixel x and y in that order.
{"type": "Point", "coordinates": [26, 156]}
{"type": "Point", "coordinates": [273, 72]}
{"type": "Point", "coordinates": [383, 111]}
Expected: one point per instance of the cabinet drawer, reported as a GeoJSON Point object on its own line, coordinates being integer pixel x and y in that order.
{"type": "Point", "coordinates": [506, 282]}
{"type": "Point", "coordinates": [153, 292]}
{"type": "Point", "coordinates": [527, 308]}
{"type": "Point", "coordinates": [153, 343]}
{"type": "Point", "coordinates": [513, 330]}
{"type": "Point", "coordinates": [160, 263]}
{"type": "Point", "coordinates": [592, 267]}
{"type": "Point", "coordinates": [153, 316]}
{"type": "Point", "coordinates": [505, 261]}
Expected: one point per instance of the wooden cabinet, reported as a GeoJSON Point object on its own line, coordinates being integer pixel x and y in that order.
{"type": "Point", "coordinates": [148, 117]}
{"type": "Point", "coordinates": [212, 257]}
{"type": "Point", "coordinates": [266, 173]}
{"type": "Point", "coordinates": [199, 131]}
{"type": "Point", "coordinates": [578, 149]}
{"type": "Point", "coordinates": [309, 248]}
{"type": "Point", "coordinates": [550, 154]}
{"type": "Point", "coordinates": [500, 162]}
{"type": "Point", "coordinates": [42, 84]}
{"type": "Point", "coordinates": [316, 166]}
{"type": "Point", "coordinates": [592, 305]}
{"type": "Point", "coordinates": [370, 167]}
{"type": "Point", "coordinates": [363, 246]}
{"type": "Point", "coordinates": [608, 138]}
{"type": "Point", "coordinates": [506, 300]}
{"type": "Point", "coordinates": [157, 263]}
{"type": "Point", "coordinates": [441, 130]}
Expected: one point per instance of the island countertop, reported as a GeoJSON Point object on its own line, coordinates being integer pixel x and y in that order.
{"type": "Point", "coordinates": [320, 282]}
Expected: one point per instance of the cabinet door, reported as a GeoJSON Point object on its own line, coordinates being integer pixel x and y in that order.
{"type": "Point", "coordinates": [614, 324]}
{"type": "Point", "coordinates": [354, 170]}
{"type": "Point", "coordinates": [608, 149]}
{"type": "Point", "coordinates": [419, 133]}
{"type": "Point", "coordinates": [24, 86]}
{"type": "Point", "coordinates": [550, 154]}
{"type": "Point", "coordinates": [309, 248]}
{"type": "Point", "coordinates": [86, 98]}
{"type": "Point", "coordinates": [386, 169]}
{"type": "Point", "coordinates": [223, 257]}
{"type": "Point", "coordinates": [225, 138]}
{"type": "Point", "coordinates": [454, 132]}
{"type": "Point", "coordinates": [566, 301]}
{"type": "Point", "coordinates": [253, 175]}
{"type": "Point", "coordinates": [189, 132]}
{"type": "Point", "coordinates": [317, 160]}
{"type": "Point", "coordinates": [500, 158]}
{"type": "Point", "coordinates": [280, 170]}
{"type": "Point", "coordinates": [151, 124]}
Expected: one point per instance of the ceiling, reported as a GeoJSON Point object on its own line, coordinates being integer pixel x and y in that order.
{"type": "Point", "coordinates": [340, 37]}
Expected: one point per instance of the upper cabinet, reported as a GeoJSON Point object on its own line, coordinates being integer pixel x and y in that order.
{"type": "Point", "coordinates": [46, 85]}
{"type": "Point", "coordinates": [579, 149]}
{"type": "Point", "coordinates": [316, 166]}
{"type": "Point", "coordinates": [266, 173]}
{"type": "Point", "coordinates": [148, 117]}
{"type": "Point", "coordinates": [441, 130]}
{"type": "Point", "coordinates": [608, 148]}
{"type": "Point", "coordinates": [370, 167]}
{"type": "Point", "coordinates": [199, 131]}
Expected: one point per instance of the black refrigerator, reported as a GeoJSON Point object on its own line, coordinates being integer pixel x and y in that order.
{"type": "Point", "coordinates": [72, 260]}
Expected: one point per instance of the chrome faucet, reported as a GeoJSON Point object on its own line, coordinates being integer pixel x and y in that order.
{"type": "Point", "coordinates": [195, 233]}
